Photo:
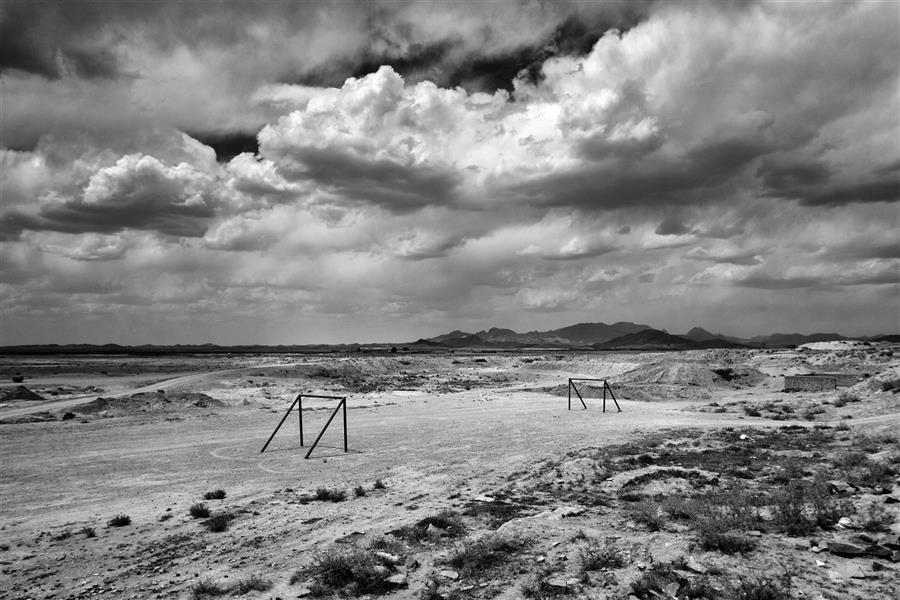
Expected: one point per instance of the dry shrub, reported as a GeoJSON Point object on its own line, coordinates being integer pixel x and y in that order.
{"type": "Point", "coordinates": [481, 555]}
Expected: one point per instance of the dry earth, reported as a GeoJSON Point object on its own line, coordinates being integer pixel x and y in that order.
{"type": "Point", "coordinates": [710, 482]}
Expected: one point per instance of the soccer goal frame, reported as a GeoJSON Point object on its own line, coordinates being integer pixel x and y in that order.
{"type": "Point", "coordinates": [298, 402]}
{"type": "Point", "coordinates": [606, 389]}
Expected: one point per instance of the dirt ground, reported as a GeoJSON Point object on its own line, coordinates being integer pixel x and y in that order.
{"type": "Point", "coordinates": [487, 437]}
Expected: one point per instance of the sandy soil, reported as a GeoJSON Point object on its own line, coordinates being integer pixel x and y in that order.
{"type": "Point", "coordinates": [440, 432]}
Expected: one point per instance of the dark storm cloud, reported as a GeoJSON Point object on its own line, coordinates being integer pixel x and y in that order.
{"type": "Point", "coordinates": [228, 144]}
{"type": "Point", "coordinates": [672, 226]}
{"type": "Point", "coordinates": [767, 282]}
{"type": "Point", "coordinates": [812, 183]}
{"type": "Point", "coordinates": [456, 61]}
{"type": "Point", "coordinates": [75, 216]}
{"type": "Point", "coordinates": [46, 39]}
{"type": "Point", "coordinates": [655, 181]}
{"type": "Point", "coordinates": [397, 188]}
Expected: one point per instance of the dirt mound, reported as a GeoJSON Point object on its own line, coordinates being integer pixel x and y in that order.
{"type": "Point", "coordinates": [20, 392]}
{"type": "Point", "coordinates": [149, 402]}
{"type": "Point", "coordinates": [689, 373]}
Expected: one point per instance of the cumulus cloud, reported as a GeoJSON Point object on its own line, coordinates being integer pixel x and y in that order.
{"type": "Point", "coordinates": [445, 163]}
{"type": "Point", "coordinates": [137, 192]}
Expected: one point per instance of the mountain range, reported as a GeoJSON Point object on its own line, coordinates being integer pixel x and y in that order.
{"type": "Point", "coordinates": [623, 335]}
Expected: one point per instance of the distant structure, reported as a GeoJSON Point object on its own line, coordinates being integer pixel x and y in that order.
{"type": "Point", "coordinates": [818, 382]}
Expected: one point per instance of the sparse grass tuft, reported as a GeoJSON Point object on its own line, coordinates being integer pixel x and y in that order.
{"type": "Point", "coordinates": [648, 513]}
{"type": "Point", "coordinates": [119, 521]}
{"type": "Point", "coordinates": [214, 495]}
{"type": "Point", "coordinates": [330, 495]}
{"type": "Point", "coordinates": [876, 517]}
{"type": "Point", "coordinates": [62, 535]}
{"type": "Point", "coordinates": [483, 554]}
{"type": "Point", "coordinates": [206, 588]}
{"type": "Point", "coordinates": [198, 510]}
{"type": "Point", "coordinates": [88, 532]}
{"type": "Point", "coordinates": [378, 485]}
{"type": "Point", "coordinates": [595, 557]}
{"type": "Point", "coordinates": [352, 572]}
{"type": "Point", "coordinates": [760, 589]}
{"type": "Point", "coordinates": [254, 583]}
{"type": "Point", "coordinates": [447, 521]}
{"type": "Point", "coordinates": [801, 506]}
{"type": "Point", "coordinates": [359, 491]}
{"type": "Point", "coordinates": [219, 522]}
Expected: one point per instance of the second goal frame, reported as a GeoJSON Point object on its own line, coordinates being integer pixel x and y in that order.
{"type": "Point", "coordinates": [606, 389]}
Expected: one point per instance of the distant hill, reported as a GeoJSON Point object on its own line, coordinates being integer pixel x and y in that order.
{"type": "Point", "coordinates": [795, 339]}
{"type": "Point", "coordinates": [595, 333]}
{"type": "Point", "coordinates": [654, 339]}
{"type": "Point", "coordinates": [581, 334]}
{"type": "Point", "coordinates": [698, 334]}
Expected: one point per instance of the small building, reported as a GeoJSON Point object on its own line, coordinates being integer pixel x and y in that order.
{"type": "Point", "coordinates": [818, 382]}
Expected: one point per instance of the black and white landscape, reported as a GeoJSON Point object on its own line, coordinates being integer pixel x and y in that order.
{"type": "Point", "coordinates": [584, 299]}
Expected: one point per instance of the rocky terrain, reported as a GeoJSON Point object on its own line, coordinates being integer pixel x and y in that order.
{"type": "Point", "coordinates": [466, 477]}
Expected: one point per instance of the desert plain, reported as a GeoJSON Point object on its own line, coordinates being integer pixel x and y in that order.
{"type": "Point", "coordinates": [466, 476]}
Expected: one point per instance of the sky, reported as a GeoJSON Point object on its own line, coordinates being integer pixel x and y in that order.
{"type": "Point", "coordinates": [328, 172]}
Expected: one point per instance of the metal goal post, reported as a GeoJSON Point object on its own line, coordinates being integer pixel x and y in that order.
{"type": "Point", "coordinates": [298, 402]}
{"type": "Point", "coordinates": [606, 389]}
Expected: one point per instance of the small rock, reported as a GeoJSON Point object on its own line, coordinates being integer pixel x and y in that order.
{"type": "Point", "coordinates": [820, 563]}
{"type": "Point", "coordinates": [895, 556]}
{"type": "Point", "coordinates": [695, 566]}
{"type": "Point", "coordinates": [842, 548]}
{"type": "Point", "coordinates": [556, 583]}
{"type": "Point", "coordinates": [391, 558]}
{"type": "Point", "coordinates": [754, 533]}
{"type": "Point", "coordinates": [433, 531]}
{"type": "Point", "coordinates": [397, 579]}
{"type": "Point", "coordinates": [412, 563]}
{"type": "Point", "coordinates": [879, 551]}
{"type": "Point", "coordinates": [448, 574]}
{"type": "Point", "coordinates": [891, 499]}
{"type": "Point", "coordinates": [484, 498]}
{"type": "Point", "coordinates": [847, 523]}
{"type": "Point", "coordinates": [540, 559]}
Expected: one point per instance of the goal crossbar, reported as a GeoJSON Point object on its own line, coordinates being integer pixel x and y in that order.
{"type": "Point", "coordinates": [606, 389]}
{"type": "Point", "coordinates": [298, 402]}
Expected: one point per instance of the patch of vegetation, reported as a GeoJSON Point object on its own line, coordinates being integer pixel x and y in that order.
{"type": "Point", "coordinates": [595, 557]}
{"type": "Point", "coordinates": [330, 495]}
{"type": "Point", "coordinates": [447, 521]}
{"type": "Point", "coordinates": [206, 588]}
{"type": "Point", "coordinates": [119, 521]}
{"type": "Point", "coordinates": [861, 471]}
{"type": "Point", "coordinates": [892, 385]}
{"type": "Point", "coordinates": [497, 513]}
{"type": "Point", "coordinates": [349, 572]}
{"type": "Point", "coordinates": [214, 495]}
{"type": "Point", "coordinates": [359, 491]}
{"type": "Point", "coordinates": [648, 514]}
{"type": "Point", "coordinates": [198, 510]}
{"type": "Point", "coordinates": [254, 583]}
{"type": "Point", "coordinates": [219, 522]}
{"type": "Point", "coordinates": [876, 517]}
{"type": "Point", "coordinates": [378, 485]}
{"type": "Point", "coordinates": [536, 586]}
{"type": "Point", "coordinates": [88, 532]}
{"type": "Point", "coordinates": [63, 535]}
{"type": "Point", "coordinates": [800, 507]}
{"type": "Point", "coordinates": [760, 589]}
{"type": "Point", "coordinates": [479, 556]}
{"type": "Point", "coordinates": [664, 581]}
